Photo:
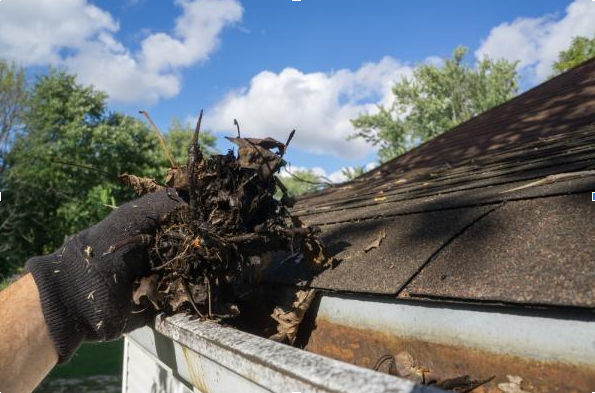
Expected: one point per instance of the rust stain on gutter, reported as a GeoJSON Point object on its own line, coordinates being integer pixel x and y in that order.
{"type": "Point", "coordinates": [363, 347]}
{"type": "Point", "coordinates": [196, 374]}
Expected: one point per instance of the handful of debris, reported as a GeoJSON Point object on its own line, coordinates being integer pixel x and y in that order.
{"type": "Point", "coordinates": [208, 252]}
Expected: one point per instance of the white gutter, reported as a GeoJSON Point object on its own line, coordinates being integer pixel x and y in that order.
{"type": "Point", "coordinates": [210, 358]}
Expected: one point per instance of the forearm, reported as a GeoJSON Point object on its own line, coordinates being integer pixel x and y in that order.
{"type": "Point", "coordinates": [27, 352]}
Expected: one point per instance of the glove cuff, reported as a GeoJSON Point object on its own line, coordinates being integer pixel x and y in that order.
{"type": "Point", "coordinates": [61, 319]}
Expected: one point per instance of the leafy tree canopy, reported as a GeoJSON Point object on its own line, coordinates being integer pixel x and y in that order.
{"type": "Point", "coordinates": [581, 50]}
{"type": "Point", "coordinates": [60, 174]}
{"type": "Point", "coordinates": [302, 181]}
{"type": "Point", "coordinates": [13, 97]}
{"type": "Point", "coordinates": [354, 172]}
{"type": "Point", "coordinates": [436, 99]}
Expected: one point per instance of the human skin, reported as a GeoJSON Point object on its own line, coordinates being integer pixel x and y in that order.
{"type": "Point", "coordinates": [27, 353]}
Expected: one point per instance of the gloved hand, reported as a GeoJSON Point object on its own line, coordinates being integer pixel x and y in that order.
{"type": "Point", "coordinates": [86, 287]}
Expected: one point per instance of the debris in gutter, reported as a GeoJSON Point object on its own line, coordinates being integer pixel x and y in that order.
{"type": "Point", "coordinates": [404, 366]}
{"type": "Point", "coordinates": [463, 384]}
{"type": "Point", "coordinates": [206, 253]}
{"type": "Point", "coordinates": [376, 242]}
{"type": "Point", "coordinates": [147, 288]}
{"type": "Point", "coordinates": [288, 322]}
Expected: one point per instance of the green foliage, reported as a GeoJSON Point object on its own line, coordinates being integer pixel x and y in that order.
{"type": "Point", "coordinates": [436, 99]}
{"type": "Point", "coordinates": [581, 50]}
{"type": "Point", "coordinates": [178, 139]}
{"type": "Point", "coordinates": [61, 171]}
{"type": "Point", "coordinates": [301, 182]}
{"type": "Point", "coordinates": [44, 200]}
{"type": "Point", "coordinates": [352, 173]}
{"type": "Point", "coordinates": [13, 97]}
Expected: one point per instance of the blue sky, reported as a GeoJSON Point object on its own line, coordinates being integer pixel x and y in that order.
{"type": "Point", "coordinates": [278, 65]}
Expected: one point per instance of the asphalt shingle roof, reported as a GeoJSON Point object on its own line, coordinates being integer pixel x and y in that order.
{"type": "Point", "coordinates": [497, 209]}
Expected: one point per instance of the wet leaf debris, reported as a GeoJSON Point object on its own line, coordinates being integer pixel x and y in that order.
{"type": "Point", "coordinates": [208, 252]}
{"type": "Point", "coordinates": [403, 365]}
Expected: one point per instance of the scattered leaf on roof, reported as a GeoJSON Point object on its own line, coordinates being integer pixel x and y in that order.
{"type": "Point", "coordinates": [376, 242]}
{"type": "Point", "coordinates": [513, 385]}
{"type": "Point", "coordinates": [552, 179]}
{"type": "Point", "coordinates": [380, 197]}
{"type": "Point", "coordinates": [288, 322]}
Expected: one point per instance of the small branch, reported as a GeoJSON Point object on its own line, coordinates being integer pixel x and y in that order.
{"type": "Point", "coordinates": [89, 168]}
{"type": "Point", "coordinates": [197, 130]}
{"type": "Point", "coordinates": [291, 134]}
{"type": "Point", "coordinates": [161, 139]}
{"type": "Point", "coordinates": [235, 123]}
{"type": "Point", "coordinates": [327, 181]}
{"type": "Point", "coordinates": [193, 155]}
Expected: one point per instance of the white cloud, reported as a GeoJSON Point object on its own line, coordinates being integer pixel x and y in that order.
{"type": "Point", "coordinates": [34, 31]}
{"type": "Point", "coordinates": [318, 105]}
{"type": "Point", "coordinates": [536, 42]}
{"type": "Point", "coordinates": [335, 177]}
{"type": "Point", "coordinates": [285, 171]}
{"type": "Point", "coordinates": [80, 37]}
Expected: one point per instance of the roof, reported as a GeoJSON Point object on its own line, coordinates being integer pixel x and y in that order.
{"type": "Point", "coordinates": [497, 209]}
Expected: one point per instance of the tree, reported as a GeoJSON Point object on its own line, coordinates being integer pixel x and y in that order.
{"type": "Point", "coordinates": [45, 199]}
{"type": "Point", "coordinates": [353, 172]}
{"type": "Point", "coordinates": [581, 50]}
{"type": "Point", "coordinates": [302, 181]}
{"type": "Point", "coordinates": [436, 99]}
{"type": "Point", "coordinates": [13, 96]}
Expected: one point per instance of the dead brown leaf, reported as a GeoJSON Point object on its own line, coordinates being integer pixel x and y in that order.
{"type": "Point", "coordinates": [404, 366]}
{"type": "Point", "coordinates": [255, 154]}
{"type": "Point", "coordinates": [148, 289]}
{"type": "Point", "coordinates": [177, 178]}
{"type": "Point", "coordinates": [380, 197]}
{"type": "Point", "coordinates": [140, 185]}
{"type": "Point", "coordinates": [376, 242]}
{"type": "Point", "coordinates": [513, 385]}
{"type": "Point", "coordinates": [314, 252]}
{"type": "Point", "coordinates": [288, 322]}
{"type": "Point", "coordinates": [179, 294]}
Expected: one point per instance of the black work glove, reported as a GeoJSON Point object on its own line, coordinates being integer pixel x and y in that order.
{"type": "Point", "coordinates": [86, 287]}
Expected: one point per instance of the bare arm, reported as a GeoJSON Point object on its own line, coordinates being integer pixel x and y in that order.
{"type": "Point", "coordinates": [27, 353]}
{"type": "Point", "coordinates": [80, 292]}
